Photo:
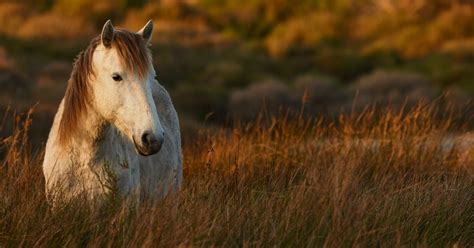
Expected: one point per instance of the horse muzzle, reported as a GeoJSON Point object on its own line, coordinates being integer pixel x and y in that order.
{"type": "Point", "coordinates": [150, 144]}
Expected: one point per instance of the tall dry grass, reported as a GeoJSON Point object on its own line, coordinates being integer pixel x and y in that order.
{"type": "Point", "coordinates": [362, 180]}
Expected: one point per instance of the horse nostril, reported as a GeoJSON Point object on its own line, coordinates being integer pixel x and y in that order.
{"type": "Point", "coordinates": [148, 139]}
{"type": "Point", "coordinates": [150, 143]}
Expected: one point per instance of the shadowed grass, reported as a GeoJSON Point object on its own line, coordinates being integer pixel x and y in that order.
{"type": "Point", "coordinates": [364, 180]}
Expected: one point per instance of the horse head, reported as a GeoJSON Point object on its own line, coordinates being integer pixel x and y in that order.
{"type": "Point", "coordinates": [122, 89]}
{"type": "Point", "coordinates": [114, 78]}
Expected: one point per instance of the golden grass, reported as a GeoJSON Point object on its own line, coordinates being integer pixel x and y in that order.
{"type": "Point", "coordinates": [364, 180]}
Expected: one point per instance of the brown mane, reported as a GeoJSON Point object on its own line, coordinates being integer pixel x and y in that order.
{"type": "Point", "coordinates": [135, 56]}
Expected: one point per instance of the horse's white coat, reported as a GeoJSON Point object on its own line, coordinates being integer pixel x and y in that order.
{"type": "Point", "coordinates": [101, 156]}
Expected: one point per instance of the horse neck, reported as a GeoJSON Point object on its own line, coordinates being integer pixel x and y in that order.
{"type": "Point", "coordinates": [92, 128]}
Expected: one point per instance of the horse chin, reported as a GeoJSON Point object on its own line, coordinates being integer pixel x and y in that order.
{"type": "Point", "coordinates": [144, 151]}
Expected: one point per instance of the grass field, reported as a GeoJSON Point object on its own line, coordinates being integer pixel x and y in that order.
{"type": "Point", "coordinates": [362, 180]}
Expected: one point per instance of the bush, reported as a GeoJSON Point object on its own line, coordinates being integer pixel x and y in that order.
{"type": "Point", "coordinates": [463, 48]}
{"type": "Point", "coordinates": [394, 88]}
{"type": "Point", "coordinates": [223, 74]}
{"type": "Point", "coordinates": [254, 19]}
{"type": "Point", "coordinates": [343, 62]}
{"type": "Point", "coordinates": [321, 95]}
{"type": "Point", "coordinates": [51, 82]}
{"type": "Point", "coordinates": [173, 11]}
{"type": "Point", "coordinates": [16, 89]}
{"type": "Point", "coordinates": [413, 30]}
{"type": "Point", "coordinates": [175, 22]}
{"type": "Point", "coordinates": [301, 31]}
{"type": "Point", "coordinates": [451, 24]}
{"type": "Point", "coordinates": [53, 26]}
{"type": "Point", "coordinates": [95, 12]}
{"type": "Point", "coordinates": [5, 60]}
{"type": "Point", "coordinates": [12, 15]}
{"type": "Point", "coordinates": [269, 97]}
{"type": "Point", "coordinates": [201, 102]}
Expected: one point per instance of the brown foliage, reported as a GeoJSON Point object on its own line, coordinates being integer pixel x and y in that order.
{"type": "Point", "coordinates": [54, 26]}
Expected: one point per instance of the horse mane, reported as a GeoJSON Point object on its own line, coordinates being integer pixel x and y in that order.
{"type": "Point", "coordinates": [135, 56]}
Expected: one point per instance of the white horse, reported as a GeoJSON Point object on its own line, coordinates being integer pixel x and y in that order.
{"type": "Point", "coordinates": [116, 129]}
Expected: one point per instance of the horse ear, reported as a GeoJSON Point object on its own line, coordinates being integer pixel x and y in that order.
{"type": "Point", "coordinates": [107, 35]}
{"type": "Point", "coordinates": [147, 31]}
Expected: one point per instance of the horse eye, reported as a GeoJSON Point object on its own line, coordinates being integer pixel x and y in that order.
{"type": "Point", "coordinates": [116, 77]}
{"type": "Point", "coordinates": [156, 77]}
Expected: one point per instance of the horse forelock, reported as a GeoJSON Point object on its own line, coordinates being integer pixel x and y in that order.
{"type": "Point", "coordinates": [133, 51]}
{"type": "Point", "coordinates": [135, 57]}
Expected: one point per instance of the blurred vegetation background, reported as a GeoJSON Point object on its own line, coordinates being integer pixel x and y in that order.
{"type": "Point", "coordinates": [226, 60]}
